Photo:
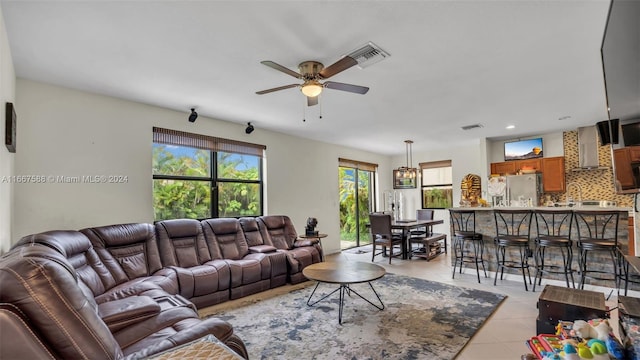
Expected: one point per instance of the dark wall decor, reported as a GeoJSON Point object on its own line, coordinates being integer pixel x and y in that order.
{"type": "Point", "coordinates": [10, 128]}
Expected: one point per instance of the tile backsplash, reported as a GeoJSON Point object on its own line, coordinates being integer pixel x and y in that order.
{"type": "Point", "coordinates": [595, 184]}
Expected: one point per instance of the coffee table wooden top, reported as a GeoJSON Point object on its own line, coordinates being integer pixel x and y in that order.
{"type": "Point", "coordinates": [343, 272]}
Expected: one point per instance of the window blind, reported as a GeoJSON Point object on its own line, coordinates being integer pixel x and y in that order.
{"type": "Point", "coordinates": [181, 138]}
{"type": "Point", "coordinates": [360, 165]}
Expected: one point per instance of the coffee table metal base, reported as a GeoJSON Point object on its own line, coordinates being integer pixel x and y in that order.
{"type": "Point", "coordinates": [345, 289]}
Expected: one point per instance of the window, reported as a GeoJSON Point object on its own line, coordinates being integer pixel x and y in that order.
{"type": "Point", "coordinates": [356, 189]}
{"type": "Point", "coordinates": [437, 189]}
{"type": "Point", "coordinates": [199, 177]}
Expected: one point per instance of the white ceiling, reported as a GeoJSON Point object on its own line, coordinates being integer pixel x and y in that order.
{"type": "Point", "coordinates": [453, 63]}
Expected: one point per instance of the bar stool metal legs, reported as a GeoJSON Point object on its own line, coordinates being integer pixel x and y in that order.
{"type": "Point", "coordinates": [598, 241]}
{"type": "Point", "coordinates": [513, 228]}
{"type": "Point", "coordinates": [554, 233]}
{"type": "Point", "coordinates": [467, 245]}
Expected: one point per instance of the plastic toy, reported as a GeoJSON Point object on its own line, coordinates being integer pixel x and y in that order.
{"type": "Point", "coordinates": [586, 330]}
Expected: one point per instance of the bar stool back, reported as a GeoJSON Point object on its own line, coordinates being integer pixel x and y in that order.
{"type": "Point", "coordinates": [554, 232]}
{"type": "Point", "coordinates": [598, 233]}
{"type": "Point", "coordinates": [467, 245]}
{"type": "Point", "coordinates": [513, 230]}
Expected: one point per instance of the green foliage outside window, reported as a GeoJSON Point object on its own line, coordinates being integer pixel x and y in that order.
{"type": "Point", "coordinates": [348, 219]}
{"type": "Point", "coordinates": [437, 197]}
{"type": "Point", "coordinates": [191, 197]}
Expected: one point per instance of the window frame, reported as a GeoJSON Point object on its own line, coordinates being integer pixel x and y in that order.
{"type": "Point", "coordinates": [214, 146]}
{"type": "Point", "coordinates": [424, 187]}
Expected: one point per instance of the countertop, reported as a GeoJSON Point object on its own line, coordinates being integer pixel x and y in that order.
{"type": "Point", "coordinates": [558, 208]}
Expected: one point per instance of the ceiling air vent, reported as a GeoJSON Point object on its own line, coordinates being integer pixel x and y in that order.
{"type": "Point", "coordinates": [471, 127]}
{"type": "Point", "coordinates": [368, 55]}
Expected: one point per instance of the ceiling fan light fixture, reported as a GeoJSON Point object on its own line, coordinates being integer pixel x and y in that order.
{"type": "Point", "coordinates": [311, 88]}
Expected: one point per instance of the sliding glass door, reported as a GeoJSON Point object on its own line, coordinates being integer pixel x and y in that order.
{"type": "Point", "coordinates": [356, 202]}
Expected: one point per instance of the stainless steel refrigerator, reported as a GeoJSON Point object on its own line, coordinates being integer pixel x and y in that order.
{"type": "Point", "coordinates": [524, 190]}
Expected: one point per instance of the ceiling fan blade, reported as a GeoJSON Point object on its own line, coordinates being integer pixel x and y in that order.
{"type": "Point", "coordinates": [276, 89]}
{"type": "Point", "coordinates": [279, 67]}
{"type": "Point", "coordinates": [346, 87]}
{"type": "Point", "coordinates": [312, 100]}
{"type": "Point", "coordinates": [338, 66]}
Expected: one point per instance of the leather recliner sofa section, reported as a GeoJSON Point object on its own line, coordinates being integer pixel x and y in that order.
{"type": "Point", "coordinates": [131, 290]}
{"type": "Point", "coordinates": [48, 301]}
{"type": "Point", "coordinates": [202, 280]}
{"type": "Point", "coordinates": [279, 231]}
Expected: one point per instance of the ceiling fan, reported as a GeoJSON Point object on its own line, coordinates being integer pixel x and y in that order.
{"type": "Point", "coordinates": [311, 72]}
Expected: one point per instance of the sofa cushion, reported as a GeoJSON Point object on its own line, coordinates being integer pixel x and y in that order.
{"type": "Point", "coordinates": [225, 238]}
{"type": "Point", "coordinates": [279, 231]}
{"type": "Point", "coordinates": [181, 243]}
{"type": "Point", "coordinates": [130, 252]}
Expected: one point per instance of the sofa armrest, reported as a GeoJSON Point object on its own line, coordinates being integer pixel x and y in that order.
{"type": "Point", "coordinates": [305, 242]}
{"type": "Point", "coordinates": [19, 340]}
{"type": "Point", "coordinates": [261, 249]}
{"type": "Point", "coordinates": [120, 313]}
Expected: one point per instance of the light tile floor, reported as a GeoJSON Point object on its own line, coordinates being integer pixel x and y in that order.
{"type": "Point", "coordinates": [503, 336]}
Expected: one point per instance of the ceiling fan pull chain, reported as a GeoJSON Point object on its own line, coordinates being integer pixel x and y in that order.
{"type": "Point", "coordinates": [304, 110]}
{"type": "Point", "coordinates": [320, 106]}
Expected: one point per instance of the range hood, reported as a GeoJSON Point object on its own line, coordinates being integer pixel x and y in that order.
{"type": "Point", "coordinates": [588, 149]}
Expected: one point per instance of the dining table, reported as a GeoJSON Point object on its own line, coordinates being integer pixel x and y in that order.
{"type": "Point", "coordinates": [411, 224]}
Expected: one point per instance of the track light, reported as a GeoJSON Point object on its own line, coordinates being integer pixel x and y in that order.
{"type": "Point", "coordinates": [249, 128]}
{"type": "Point", "coordinates": [193, 116]}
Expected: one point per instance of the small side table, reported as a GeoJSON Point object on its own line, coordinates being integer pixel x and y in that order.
{"type": "Point", "coordinates": [316, 236]}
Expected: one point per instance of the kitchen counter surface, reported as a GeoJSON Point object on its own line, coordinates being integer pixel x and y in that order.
{"type": "Point", "coordinates": [559, 208]}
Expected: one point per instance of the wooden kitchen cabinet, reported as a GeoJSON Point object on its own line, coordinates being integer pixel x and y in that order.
{"type": "Point", "coordinates": [529, 164]}
{"type": "Point", "coordinates": [634, 153]}
{"type": "Point", "coordinates": [553, 174]}
{"type": "Point", "coordinates": [512, 167]}
{"type": "Point", "coordinates": [503, 168]}
{"type": "Point", "coordinates": [622, 162]}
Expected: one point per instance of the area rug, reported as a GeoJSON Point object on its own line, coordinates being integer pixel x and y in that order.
{"type": "Point", "coordinates": [422, 320]}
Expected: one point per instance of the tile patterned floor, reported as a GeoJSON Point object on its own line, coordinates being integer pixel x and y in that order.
{"type": "Point", "coordinates": [505, 333]}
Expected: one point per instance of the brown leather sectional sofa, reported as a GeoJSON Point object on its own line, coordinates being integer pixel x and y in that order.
{"type": "Point", "coordinates": [133, 290]}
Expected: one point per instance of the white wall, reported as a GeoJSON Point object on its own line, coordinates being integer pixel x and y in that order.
{"type": "Point", "coordinates": [7, 94]}
{"type": "Point", "coordinates": [470, 159]}
{"type": "Point", "coordinates": [72, 133]}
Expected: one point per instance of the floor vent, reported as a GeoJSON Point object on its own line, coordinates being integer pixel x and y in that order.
{"type": "Point", "coordinates": [470, 127]}
{"type": "Point", "coordinates": [368, 55]}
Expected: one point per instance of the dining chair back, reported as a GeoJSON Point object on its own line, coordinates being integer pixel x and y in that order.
{"type": "Point", "coordinates": [382, 235]}
{"type": "Point", "coordinates": [422, 214]}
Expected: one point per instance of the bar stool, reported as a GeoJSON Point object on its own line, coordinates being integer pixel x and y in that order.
{"type": "Point", "coordinates": [554, 232]}
{"type": "Point", "coordinates": [513, 230]}
{"type": "Point", "coordinates": [598, 233]}
{"type": "Point", "coordinates": [467, 245]}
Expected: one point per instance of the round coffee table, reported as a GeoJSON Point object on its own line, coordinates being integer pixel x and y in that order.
{"type": "Point", "coordinates": [344, 274]}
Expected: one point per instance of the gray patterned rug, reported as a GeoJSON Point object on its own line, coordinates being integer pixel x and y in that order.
{"type": "Point", "coordinates": [421, 320]}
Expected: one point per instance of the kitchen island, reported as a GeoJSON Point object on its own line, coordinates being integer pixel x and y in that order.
{"type": "Point", "coordinates": [485, 224]}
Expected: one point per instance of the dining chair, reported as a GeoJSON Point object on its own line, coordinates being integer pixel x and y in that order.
{"type": "Point", "coordinates": [381, 235]}
{"type": "Point", "coordinates": [422, 214]}
{"type": "Point", "coordinates": [598, 243]}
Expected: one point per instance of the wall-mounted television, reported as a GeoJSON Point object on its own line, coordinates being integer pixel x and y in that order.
{"type": "Point", "coordinates": [631, 134]}
{"type": "Point", "coordinates": [523, 149]}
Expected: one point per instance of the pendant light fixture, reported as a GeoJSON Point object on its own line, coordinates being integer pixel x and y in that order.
{"type": "Point", "coordinates": [404, 177]}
